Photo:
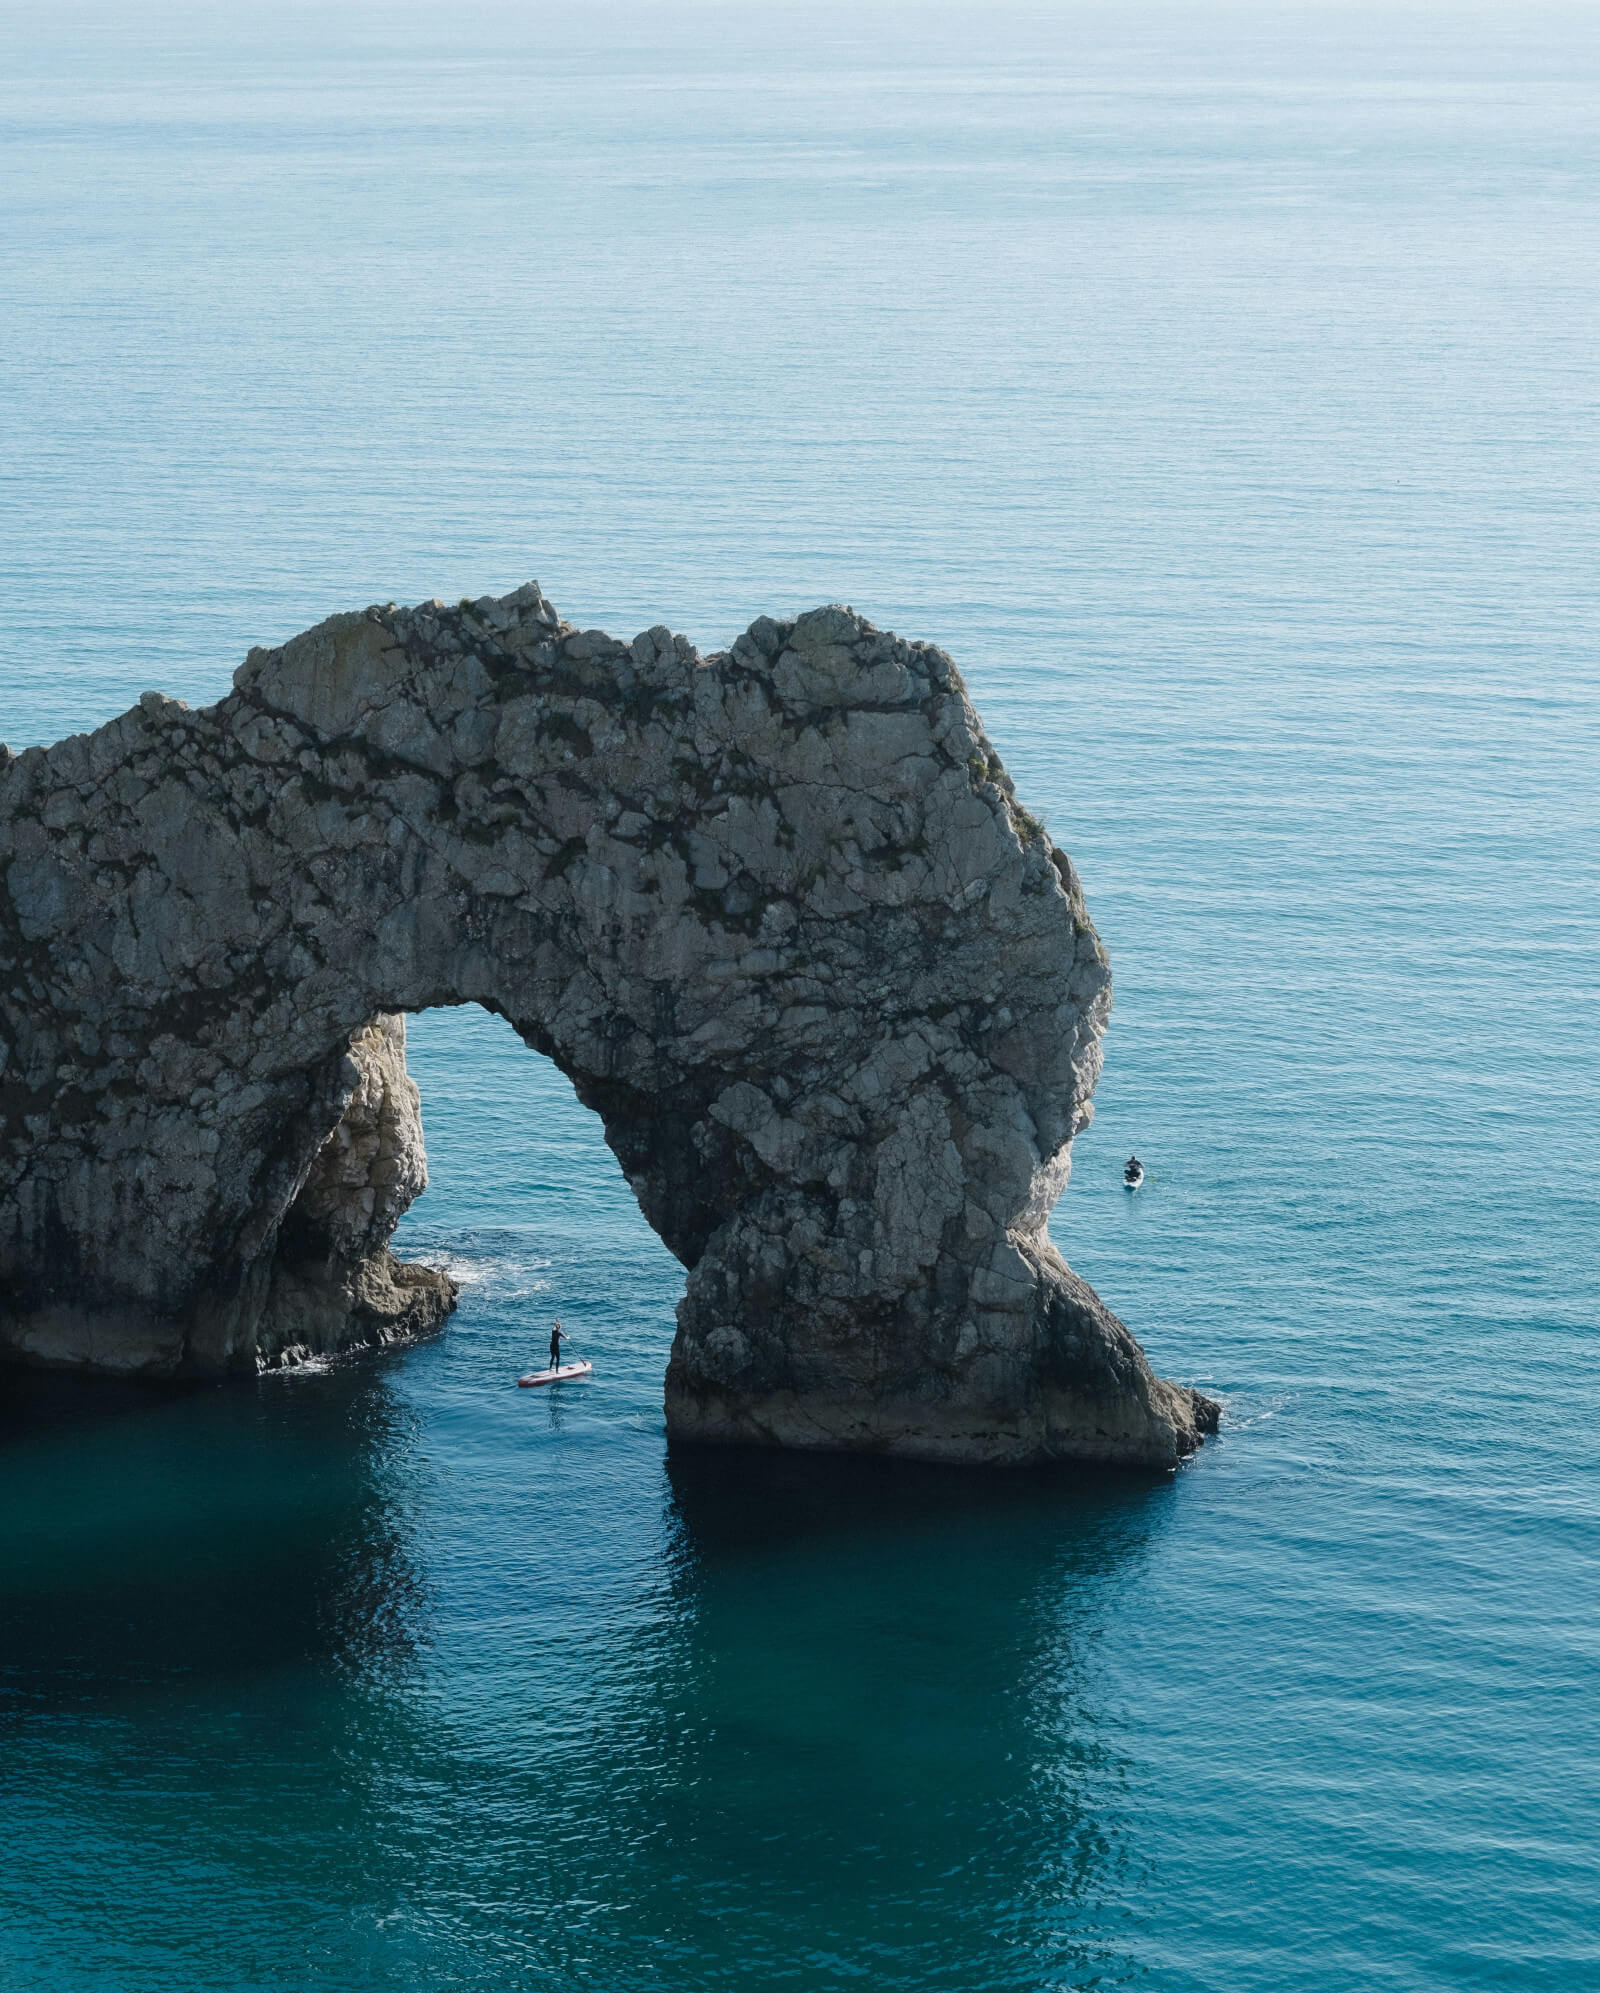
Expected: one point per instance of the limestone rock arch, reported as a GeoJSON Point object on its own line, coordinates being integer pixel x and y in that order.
{"type": "Point", "coordinates": [776, 913]}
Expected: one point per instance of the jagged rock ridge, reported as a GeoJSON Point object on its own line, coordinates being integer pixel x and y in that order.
{"type": "Point", "coordinates": [776, 913]}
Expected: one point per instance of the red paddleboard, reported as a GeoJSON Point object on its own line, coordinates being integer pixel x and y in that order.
{"type": "Point", "coordinates": [557, 1376]}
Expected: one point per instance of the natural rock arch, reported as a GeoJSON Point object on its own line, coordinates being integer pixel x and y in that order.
{"type": "Point", "coordinates": [776, 913]}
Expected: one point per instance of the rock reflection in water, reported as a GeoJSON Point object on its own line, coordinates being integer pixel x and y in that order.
{"type": "Point", "coordinates": [161, 1534]}
{"type": "Point", "coordinates": [881, 1744]}
{"type": "Point", "coordinates": [337, 1667]}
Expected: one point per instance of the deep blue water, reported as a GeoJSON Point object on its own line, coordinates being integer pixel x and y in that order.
{"type": "Point", "coordinates": [1220, 387]}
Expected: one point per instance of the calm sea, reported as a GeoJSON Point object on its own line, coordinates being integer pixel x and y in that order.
{"type": "Point", "coordinates": [1219, 385]}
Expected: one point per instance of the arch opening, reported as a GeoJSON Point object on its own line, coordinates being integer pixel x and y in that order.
{"type": "Point", "coordinates": [527, 1208]}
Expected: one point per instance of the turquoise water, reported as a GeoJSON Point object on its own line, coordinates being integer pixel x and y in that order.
{"type": "Point", "coordinates": [1220, 387]}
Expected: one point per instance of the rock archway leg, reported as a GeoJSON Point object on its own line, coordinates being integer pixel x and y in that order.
{"type": "Point", "coordinates": [777, 913]}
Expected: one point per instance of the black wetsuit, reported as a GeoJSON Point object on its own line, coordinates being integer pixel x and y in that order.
{"type": "Point", "coordinates": [556, 1340]}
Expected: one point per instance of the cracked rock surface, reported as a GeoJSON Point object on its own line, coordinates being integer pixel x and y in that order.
{"type": "Point", "coordinates": [776, 913]}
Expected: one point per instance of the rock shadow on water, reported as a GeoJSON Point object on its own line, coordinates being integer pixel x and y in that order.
{"type": "Point", "coordinates": [210, 1609]}
{"type": "Point", "coordinates": [881, 1747]}
{"type": "Point", "coordinates": [726, 1498]}
{"type": "Point", "coordinates": [174, 1537]}
{"type": "Point", "coordinates": [837, 1718]}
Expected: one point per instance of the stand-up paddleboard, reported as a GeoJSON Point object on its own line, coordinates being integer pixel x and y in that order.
{"type": "Point", "coordinates": [557, 1376]}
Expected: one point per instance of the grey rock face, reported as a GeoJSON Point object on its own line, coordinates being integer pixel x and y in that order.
{"type": "Point", "coordinates": [776, 913]}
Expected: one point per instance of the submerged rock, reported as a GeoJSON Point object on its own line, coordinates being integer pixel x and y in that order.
{"type": "Point", "coordinates": [776, 913]}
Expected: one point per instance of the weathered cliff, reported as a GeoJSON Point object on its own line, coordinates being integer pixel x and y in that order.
{"type": "Point", "coordinates": [776, 913]}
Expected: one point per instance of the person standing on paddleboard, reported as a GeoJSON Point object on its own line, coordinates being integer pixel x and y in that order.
{"type": "Point", "coordinates": [557, 1338]}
